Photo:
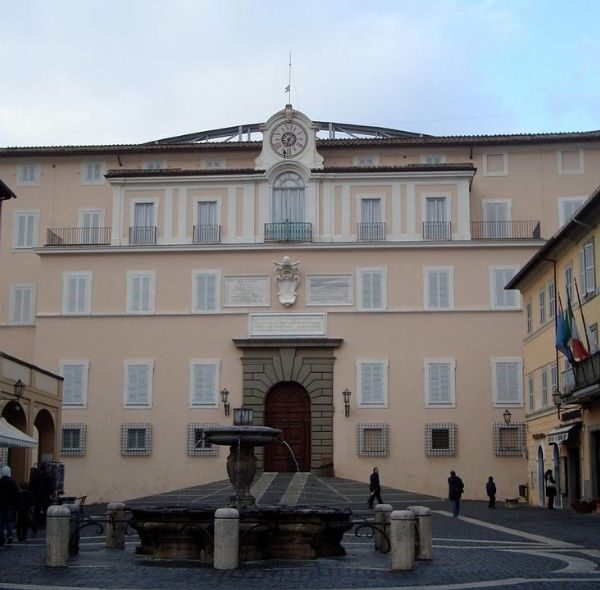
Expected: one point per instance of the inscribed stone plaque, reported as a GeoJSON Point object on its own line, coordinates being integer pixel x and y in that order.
{"type": "Point", "coordinates": [290, 325]}
{"type": "Point", "coordinates": [246, 291]}
{"type": "Point", "coordinates": [329, 290]}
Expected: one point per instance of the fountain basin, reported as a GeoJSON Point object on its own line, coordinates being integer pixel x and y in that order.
{"type": "Point", "coordinates": [248, 436]}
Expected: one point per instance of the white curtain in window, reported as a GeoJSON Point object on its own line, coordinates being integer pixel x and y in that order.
{"type": "Point", "coordinates": [22, 303]}
{"type": "Point", "coordinates": [436, 210]}
{"type": "Point", "coordinates": [370, 210]}
{"type": "Point", "coordinates": [207, 213]}
{"type": "Point", "coordinates": [143, 215]}
{"type": "Point", "coordinates": [288, 198]}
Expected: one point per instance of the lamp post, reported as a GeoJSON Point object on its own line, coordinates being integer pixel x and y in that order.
{"type": "Point", "coordinates": [507, 416]}
{"type": "Point", "coordinates": [346, 393]}
{"type": "Point", "coordinates": [18, 389]}
{"type": "Point", "coordinates": [224, 396]}
{"type": "Point", "coordinates": [557, 399]}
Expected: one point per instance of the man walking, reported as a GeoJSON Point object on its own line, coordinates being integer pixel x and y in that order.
{"type": "Point", "coordinates": [9, 492]}
{"type": "Point", "coordinates": [375, 488]}
{"type": "Point", "coordinates": [455, 491]}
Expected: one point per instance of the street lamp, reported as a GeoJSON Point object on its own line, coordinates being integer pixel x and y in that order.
{"type": "Point", "coordinates": [557, 399]}
{"type": "Point", "coordinates": [224, 396]}
{"type": "Point", "coordinates": [18, 389]}
{"type": "Point", "coordinates": [507, 416]}
{"type": "Point", "coordinates": [346, 393]}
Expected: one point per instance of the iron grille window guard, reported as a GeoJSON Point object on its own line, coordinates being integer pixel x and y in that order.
{"type": "Point", "coordinates": [372, 440]}
{"type": "Point", "coordinates": [509, 440]}
{"type": "Point", "coordinates": [505, 230]}
{"type": "Point", "coordinates": [78, 236]}
{"type": "Point", "coordinates": [74, 438]}
{"type": "Point", "coordinates": [441, 439]}
{"type": "Point", "coordinates": [288, 231]}
{"type": "Point", "coordinates": [207, 234]}
{"type": "Point", "coordinates": [142, 234]}
{"type": "Point", "coordinates": [198, 446]}
{"type": "Point", "coordinates": [437, 230]}
{"type": "Point", "coordinates": [136, 439]}
{"type": "Point", "coordinates": [371, 231]}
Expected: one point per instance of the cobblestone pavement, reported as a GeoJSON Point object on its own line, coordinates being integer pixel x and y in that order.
{"type": "Point", "coordinates": [503, 548]}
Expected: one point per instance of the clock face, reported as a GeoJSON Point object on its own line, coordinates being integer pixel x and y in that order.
{"type": "Point", "coordinates": [288, 139]}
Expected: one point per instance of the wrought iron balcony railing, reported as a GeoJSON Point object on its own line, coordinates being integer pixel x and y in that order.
{"type": "Point", "coordinates": [370, 231]}
{"type": "Point", "coordinates": [288, 231]}
{"type": "Point", "coordinates": [142, 234]}
{"type": "Point", "coordinates": [207, 234]}
{"type": "Point", "coordinates": [505, 230]}
{"type": "Point", "coordinates": [437, 230]}
{"type": "Point", "coordinates": [77, 236]}
{"type": "Point", "coordinates": [584, 375]}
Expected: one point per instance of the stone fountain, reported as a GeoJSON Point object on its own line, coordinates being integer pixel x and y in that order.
{"type": "Point", "coordinates": [266, 532]}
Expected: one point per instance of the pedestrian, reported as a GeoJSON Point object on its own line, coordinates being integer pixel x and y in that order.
{"type": "Point", "coordinates": [24, 504]}
{"type": "Point", "coordinates": [42, 488]}
{"type": "Point", "coordinates": [455, 491]}
{"type": "Point", "coordinates": [8, 504]}
{"type": "Point", "coordinates": [375, 488]}
{"type": "Point", "coordinates": [550, 488]}
{"type": "Point", "coordinates": [490, 488]}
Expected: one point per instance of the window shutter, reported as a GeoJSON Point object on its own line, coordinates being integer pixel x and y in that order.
{"type": "Point", "coordinates": [137, 384]}
{"type": "Point", "coordinates": [372, 378]}
{"type": "Point", "coordinates": [443, 286]}
{"type": "Point", "coordinates": [439, 383]}
{"type": "Point", "coordinates": [204, 386]}
{"type": "Point", "coordinates": [433, 280]}
{"type": "Point", "coordinates": [590, 279]}
{"type": "Point", "coordinates": [206, 292]}
{"type": "Point", "coordinates": [73, 384]}
{"type": "Point", "coordinates": [507, 382]}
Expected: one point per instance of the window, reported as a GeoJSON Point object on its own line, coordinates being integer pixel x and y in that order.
{"type": "Point", "coordinates": [495, 164]}
{"type": "Point", "coordinates": [439, 288]}
{"type": "Point", "coordinates": [204, 383]}
{"type": "Point", "coordinates": [288, 198]}
{"type": "Point", "coordinates": [587, 269]}
{"type": "Point", "coordinates": [371, 289]}
{"type": "Point", "coordinates": [73, 440]}
{"type": "Point", "coordinates": [542, 302]}
{"type": "Point", "coordinates": [569, 281]}
{"type": "Point", "coordinates": [502, 298]}
{"type": "Point", "coordinates": [75, 382]}
{"type": "Point", "coordinates": [372, 382]}
{"type": "Point", "coordinates": [433, 159]}
{"type": "Point", "coordinates": [372, 440]}
{"type": "Point", "coordinates": [144, 225]}
{"type": "Point", "coordinates": [366, 160]}
{"type": "Point", "coordinates": [530, 392]}
{"type": "Point", "coordinates": [436, 225]}
{"type": "Point", "coordinates": [136, 440]}
{"type": "Point", "coordinates": [92, 172]}
{"type": "Point", "coordinates": [22, 304]}
{"type": "Point", "coordinates": [198, 446]}
{"type": "Point", "coordinates": [507, 381]}
{"type": "Point", "coordinates": [554, 377]}
{"type": "Point", "coordinates": [496, 216]}
{"type": "Point", "coordinates": [154, 165]}
{"type": "Point", "coordinates": [551, 299]}
{"type": "Point", "coordinates": [440, 440]}
{"type": "Point", "coordinates": [206, 291]}
{"type": "Point", "coordinates": [25, 229]}
{"type": "Point", "coordinates": [140, 291]}
{"type": "Point", "coordinates": [214, 164]}
{"type": "Point", "coordinates": [568, 207]}
{"type": "Point", "coordinates": [569, 161]}
{"type": "Point", "coordinates": [593, 336]}
{"type": "Point", "coordinates": [544, 387]}
{"type": "Point", "coordinates": [90, 224]}
{"type": "Point", "coordinates": [509, 440]}
{"type": "Point", "coordinates": [138, 383]}
{"type": "Point", "coordinates": [207, 224]}
{"type": "Point", "coordinates": [529, 316]}
{"type": "Point", "coordinates": [439, 382]}
{"type": "Point", "coordinates": [28, 175]}
{"type": "Point", "coordinates": [77, 292]}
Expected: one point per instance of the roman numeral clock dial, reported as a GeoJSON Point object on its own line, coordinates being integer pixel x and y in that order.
{"type": "Point", "coordinates": [288, 139]}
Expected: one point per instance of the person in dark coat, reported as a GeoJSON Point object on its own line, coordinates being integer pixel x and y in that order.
{"type": "Point", "coordinates": [550, 488]}
{"type": "Point", "coordinates": [375, 488]}
{"type": "Point", "coordinates": [490, 489]}
{"type": "Point", "coordinates": [8, 504]}
{"type": "Point", "coordinates": [455, 491]}
{"type": "Point", "coordinates": [42, 488]}
{"type": "Point", "coordinates": [24, 504]}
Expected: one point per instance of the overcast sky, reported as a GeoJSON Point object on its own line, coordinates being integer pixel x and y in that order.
{"type": "Point", "coordinates": [128, 71]}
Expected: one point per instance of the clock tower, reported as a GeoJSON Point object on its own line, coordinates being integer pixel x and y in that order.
{"type": "Point", "coordinates": [289, 136]}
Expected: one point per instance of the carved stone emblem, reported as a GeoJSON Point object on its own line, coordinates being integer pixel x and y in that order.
{"type": "Point", "coordinates": [287, 280]}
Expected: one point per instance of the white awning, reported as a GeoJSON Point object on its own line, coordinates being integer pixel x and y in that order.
{"type": "Point", "coordinates": [560, 435]}
{"type": "Point", "coordinates": [13, 437]}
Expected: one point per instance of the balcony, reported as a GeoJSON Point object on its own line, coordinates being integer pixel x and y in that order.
{"type": "Point", "coordinates": [288, 231]}
{"type": "Point", "coordinates": [78, 236]}
{"type": "Point", "coordinates": [371, 232]}
{"type": "Point", "coordinates": [207, 234]}
{"type": "Point", "coordinates": [505, 230]}
{"type": "Point", "coordinates": [142, 234]}
{"type": "Point", "coordinates": [437, 230]}
{"type": "Point", "coordinates": [585, 380]}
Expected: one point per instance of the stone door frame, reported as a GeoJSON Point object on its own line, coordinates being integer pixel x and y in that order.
{"type": "Point", "coordinates": [308, 362]}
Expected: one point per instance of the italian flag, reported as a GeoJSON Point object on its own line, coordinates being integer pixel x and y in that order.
{"type": "Point", "coordinates": [576, 344]}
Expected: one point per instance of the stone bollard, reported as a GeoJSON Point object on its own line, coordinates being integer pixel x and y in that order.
{"type": "Point", "coordinates": [116, 526]}
{"type": "Point", "coordinates": [57, 536]}
{"type": "Point", "coordinates": [74, 523]}
{"type": "Point", "coordinates": [227, 539]}
{"type": "Point", "coordinates": [403, 540]}
{"type": "Point", "coordinates": [382, 520]}
{"type": "Point", "coordinates": [424, 532]}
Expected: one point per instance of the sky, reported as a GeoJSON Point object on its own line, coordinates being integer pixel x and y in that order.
{"type": "Point", "coordinates": [127, 71]}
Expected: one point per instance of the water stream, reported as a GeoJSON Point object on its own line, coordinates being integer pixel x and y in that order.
{"type": "Point", "coordinates": [302, 493]}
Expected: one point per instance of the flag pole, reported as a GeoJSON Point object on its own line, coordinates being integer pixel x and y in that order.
{"type": "Point", "coordinates": [556, 300]}
{"type": "Point", "coordinates": [587, 338]}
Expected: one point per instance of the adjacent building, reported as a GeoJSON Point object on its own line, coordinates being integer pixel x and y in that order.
{"type": "Point", "coordinates": [277, 267]}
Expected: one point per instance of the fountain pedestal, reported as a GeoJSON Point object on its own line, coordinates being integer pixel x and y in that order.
{"type": "Point", "coordinates": [241, 469]}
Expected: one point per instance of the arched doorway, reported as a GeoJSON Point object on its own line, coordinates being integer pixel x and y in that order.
{"type": "Point", "coordinates": [287, 407]}
{"type": "Point", "coordinates": [46, 434]}
{"type": "Point", "coordinates": [557, 476]}
{"type": "Point", "coordinates": [540, 476]}
{"type": "Point", "coordinates": [17, 457]}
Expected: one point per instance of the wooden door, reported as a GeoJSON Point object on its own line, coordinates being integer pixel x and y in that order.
{"type": "Point", "coordinates": [288, 407]}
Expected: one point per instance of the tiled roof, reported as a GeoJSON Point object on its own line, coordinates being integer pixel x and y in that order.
{"type": "Point", "coordinates": [467, 167]}
{"type": "Point", "coordinates": [425, 141]}
{"type": "Point", "coordinates": [139, 173]}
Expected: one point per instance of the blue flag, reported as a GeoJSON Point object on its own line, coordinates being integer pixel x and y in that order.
{"type": "Point", "coordinates": [563, 334]}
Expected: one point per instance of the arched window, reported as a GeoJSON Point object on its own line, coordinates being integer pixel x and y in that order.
{"type": "Point", "coordinates": [288, 198]}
